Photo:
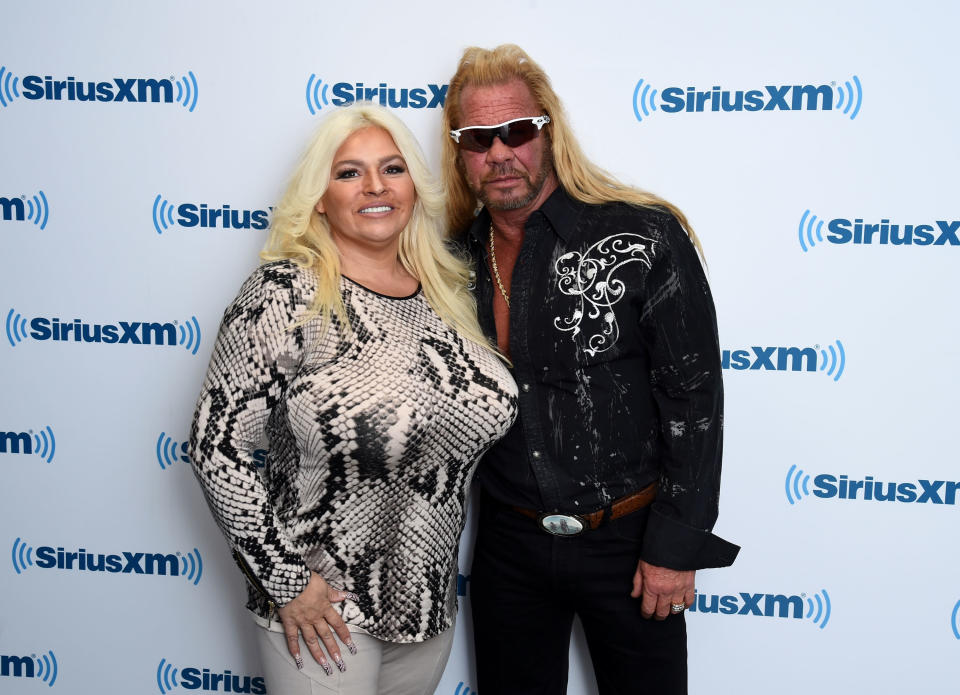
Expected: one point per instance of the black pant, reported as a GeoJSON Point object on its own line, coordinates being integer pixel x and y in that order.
{"type": "Point", "coordinates": [525, 588]}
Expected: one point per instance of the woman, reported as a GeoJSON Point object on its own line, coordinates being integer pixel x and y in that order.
{"type": "Point", "coordinates": [355, 348]}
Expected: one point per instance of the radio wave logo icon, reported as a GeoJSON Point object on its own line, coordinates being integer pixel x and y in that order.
{"type": "Point", "coordinates": [43, 444]}
{"type": "Point", "coordinates": [166, 676]}
{"type": "Point", "coordinates": [16, 328]}
{"type": "Point", "coordinates": [644, 99]}
{"type": "Point", "coordinates": [810, 226]}
{"type": "Point", "coordinates": [849, 97]}
{"type": "Point", "coordinates": [162, 214]}
{"type": "Point", "coordinates": [9, 87]}
{"type": "Point", "coordinates": [38, 210]}
{"type": "Point", "coordinates": [797, 484]}
{"type": "Point", "coordinates": [316, 94]}
{"type": "Point", "coordinates": [22, 555]}
{"type": "Point", "coordinates": [836, 363]}
{"type": "Point", "coordinates": [463, 689]}
{"type": "Point", "coordinates": [955, 620]}
{"type": "Point", "coordinates": [190, 335]}
{"type": "Point", "coordinates": [187, 91]}
{"type": "Point", "coordinates": [192, 567]}
{"type": "Point", "coordinates": [818, 609]}
{"type": "Point", "coordinates": [169, 452]}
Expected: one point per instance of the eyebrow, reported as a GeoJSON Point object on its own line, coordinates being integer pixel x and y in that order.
{"type": "Point", "coordinates": [358, 163]}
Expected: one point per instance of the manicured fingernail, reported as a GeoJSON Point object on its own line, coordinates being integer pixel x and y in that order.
{"type": "Point", "coordinates": [326, 667]}
{"type": "Point", "coordinates": [338, 660]}
{"type": "Point", "coordinates": [352, 596]}
{"type": "Point", "coordinates": [352, 647]}
{"type": "Point", "coordinates": [298, 660]}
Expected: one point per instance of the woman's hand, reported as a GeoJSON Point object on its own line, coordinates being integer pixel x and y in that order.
{"type": "Point", "coordinates": [312, 615]}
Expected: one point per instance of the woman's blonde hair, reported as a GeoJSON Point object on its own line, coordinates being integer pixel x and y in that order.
{"type": "Point", "coordinates": [299, 233]}
{"type": "Point", "coordinates": [580, 177]}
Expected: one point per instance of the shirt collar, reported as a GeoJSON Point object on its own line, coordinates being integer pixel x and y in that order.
{"type": "Point", "coordinates": [560, 210]}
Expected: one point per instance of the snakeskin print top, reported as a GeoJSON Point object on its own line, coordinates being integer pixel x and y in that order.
{"type": "Point", "coordinates": [374, 434]}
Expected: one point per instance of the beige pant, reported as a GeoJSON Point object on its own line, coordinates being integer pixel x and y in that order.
{"type": "Point", "coordinates": [378, 667]}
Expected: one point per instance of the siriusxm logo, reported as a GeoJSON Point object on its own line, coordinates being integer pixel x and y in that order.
{"type": "Point", "coordinates": [183, 90]}
{"type": "Point", "coordinates": [21, 208]}
{"type": "Point", "coordinates": [842, 231]}
{"type": "Point", "coordinates": [767, 606]}
{"type": "Point", "coordinates": [192, 215]}
{"type": "Point", "coordinates": [43, 444]}
{"type": "Point", "coordinates": [186, 334]}
{"type": "Point", "coordinates": [43, 667]}
{"type": "Point", "coordinates": [193, 678]}
{"type": "Point", "coordinates": [170, 452]}
{"type": "Point", "coordinates": [464, 689]}
{"type": "Point", "coordinates": [829, 486]}
{"type": "Point", "coordinates": [430, 96]}
{"type": "Point", "coordinates": [462, 584]}
{"type": "Point", "coordinates": [955, 620]}
{"type": "Point", "coordinates": [832, 360]}
{"type": "Point", "coordinates": [846, 98]}
{"type": "Point", "coordinates": [188, 565]}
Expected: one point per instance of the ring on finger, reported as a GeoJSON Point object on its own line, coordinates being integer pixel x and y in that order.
{"type": "Point", "coordinates": [678, 607]}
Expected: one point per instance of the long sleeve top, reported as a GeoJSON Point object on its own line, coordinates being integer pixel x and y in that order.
{"type": "Point", "coordinates": [374, 431]}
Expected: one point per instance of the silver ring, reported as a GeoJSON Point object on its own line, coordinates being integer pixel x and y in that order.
{"type": "Point", "coordinates": [678, 607]}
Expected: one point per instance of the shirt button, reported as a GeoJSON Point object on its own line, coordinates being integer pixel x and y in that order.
{"type": "Point", "coordinates": [525, 388]}
{"type": "Point", "coordinates": [535, 454]}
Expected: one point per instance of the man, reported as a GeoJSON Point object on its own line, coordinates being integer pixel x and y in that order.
{"type": "Point", "coordinates": [600, 501]}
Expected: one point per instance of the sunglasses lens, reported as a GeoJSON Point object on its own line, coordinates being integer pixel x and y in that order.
{"type": "Point", "coordinates": [519, 133]}
{"type": "Point", "coordinates": [512, 135]}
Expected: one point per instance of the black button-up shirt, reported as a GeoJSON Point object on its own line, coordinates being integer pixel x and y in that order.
{"type": "Point", "coordinates": [613, 338]}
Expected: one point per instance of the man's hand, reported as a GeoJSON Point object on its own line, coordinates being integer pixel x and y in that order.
{"type": "Point", "coordinates": [659, 587]}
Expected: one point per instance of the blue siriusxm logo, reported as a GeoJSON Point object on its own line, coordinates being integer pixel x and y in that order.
{"type": "Point", "coordinates": [830, 360]}
{"type": "Point", "coordinates": [955, 620]}
{"type": "Point", "coordinates": [170, 452]}
{"type": "Point", "coordinates": [183, 90]}
{"type": "Point", "coordinates": [463, 689]}
{"type": "Point", "coordinates": [799, 607]}
{"type": "Point", "coordinates": [169, 677]}
{"type": "Point", "coordinates": [842, 487]}
{"type": "Point", "coordinates": [841, 230]}
{"type": "Point", "coordinates": [34, 209]}
{"type": "Point", "coordinates": [845, 98]}
{"type": "Point", "coordinates": [41, 443]}
{"type": "Point", "coordinates": [192, 215]}
{"type": "Point", "coordinates": [43, 667]}
{"type": "Point", "coordinates": [429, 96]}
{"type": "Point", "coordinates": [186, 334]}
{"type": "Point", "coordinates": [187, 565]}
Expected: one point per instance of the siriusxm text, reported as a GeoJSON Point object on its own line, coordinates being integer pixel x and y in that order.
{"type": "Point", "coordinates": [123, 332]}
{"type": "Point", "coordinates": [17, 666]}
{"type": "Point", "coordinates": [770, 98]}
{"type": "Point", "coordinates": [191, 215]}
{"type": "Point", "coordinates": [842, 487]}
{"type": "Point", "coordinates": [13, 209]}
{"type": "Point", "coordinates": [124, 562]}
{"type": "Point", "coordinates": [940, 233]}
{"type": "Point", "coordinates": [16, 443]}
{"type": "Point", "coordinates": [192, 678]}
{"type": "Point", "coordinates": [781, 359]}
{"type": "Point", "coordinates": [431, 97]}
{"type": "Point", "coordinates": [765, 605]}
{"type": "Point", "coordinates": [117, 89]}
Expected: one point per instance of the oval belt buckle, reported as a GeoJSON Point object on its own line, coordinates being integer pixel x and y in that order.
{"type": "Point", "coordinates": [561, 524]}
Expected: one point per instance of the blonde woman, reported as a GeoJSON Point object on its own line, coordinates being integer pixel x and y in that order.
{"type": "Point", "coordinates": [355, 349]}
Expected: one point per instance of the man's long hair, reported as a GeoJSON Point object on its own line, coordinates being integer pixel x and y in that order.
{"type": "Point", "coordinates": [580, 177]}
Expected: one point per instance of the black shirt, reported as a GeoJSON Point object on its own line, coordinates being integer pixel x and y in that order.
{"type": "Point", "coordinates": [613, 338]}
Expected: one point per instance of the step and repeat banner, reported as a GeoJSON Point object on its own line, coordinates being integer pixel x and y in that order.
{"type": "Point", "coordinates": [814, 147]}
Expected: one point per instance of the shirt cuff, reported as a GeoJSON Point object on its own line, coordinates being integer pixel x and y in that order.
{"type": "Point", "coordinates": [674, 545]}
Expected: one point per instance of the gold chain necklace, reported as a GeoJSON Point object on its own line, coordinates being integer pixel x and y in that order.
{"type": "Point", "coordinates": [496, 271]}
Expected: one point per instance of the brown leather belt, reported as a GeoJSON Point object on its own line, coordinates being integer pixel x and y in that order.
{"type": "Point", "coordinates": [574, 524]}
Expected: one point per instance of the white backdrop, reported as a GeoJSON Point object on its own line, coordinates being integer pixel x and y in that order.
{"type": "Point", "coordinates": [843, 356]}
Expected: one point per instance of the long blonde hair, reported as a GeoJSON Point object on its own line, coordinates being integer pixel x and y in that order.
{"type": "Point", "coordinates": [581, 178]}
{"type": "Point", "coordinates": [301, 234]}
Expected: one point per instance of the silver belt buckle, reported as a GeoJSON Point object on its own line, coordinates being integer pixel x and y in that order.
{"type": "Point", "coordinates": [562, 524]}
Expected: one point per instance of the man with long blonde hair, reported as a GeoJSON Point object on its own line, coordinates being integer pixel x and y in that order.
{"type": "Point", "coordinates": [600, 501]}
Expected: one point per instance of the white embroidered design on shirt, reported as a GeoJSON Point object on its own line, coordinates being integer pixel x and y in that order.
{"type": "Point", "coordinates": [590, 276]}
